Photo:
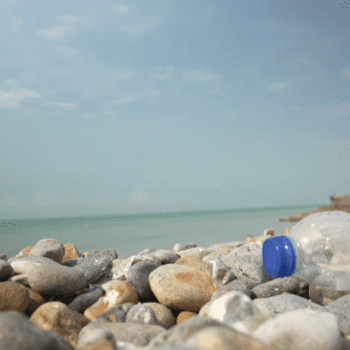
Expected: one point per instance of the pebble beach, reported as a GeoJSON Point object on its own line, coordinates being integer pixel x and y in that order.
{"type": "Point", "coordinates": [52, 297]}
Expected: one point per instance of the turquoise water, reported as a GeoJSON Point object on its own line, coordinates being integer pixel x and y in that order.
{"type": "Point", "coordinates": [129, 234]}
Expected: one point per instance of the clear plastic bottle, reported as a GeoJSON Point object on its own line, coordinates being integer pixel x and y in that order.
{"type": "Point", "coordinates": [317, 248]}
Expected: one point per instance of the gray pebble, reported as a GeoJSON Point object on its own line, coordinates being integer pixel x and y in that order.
{"type": "Point", "coordinates": [18, 333]}
{"type": "Point", "coordinates": [138, 277]}
{"type": "Point", "coordinates": [276, 287]}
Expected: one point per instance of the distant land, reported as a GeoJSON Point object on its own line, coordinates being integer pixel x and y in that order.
{"type": "Point", "coordinates": [338, 202]}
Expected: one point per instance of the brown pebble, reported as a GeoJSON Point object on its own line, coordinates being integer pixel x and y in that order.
{"type": "Point", "coordinates": [183, 316]}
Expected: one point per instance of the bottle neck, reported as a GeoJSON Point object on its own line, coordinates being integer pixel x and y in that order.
{"type": "Point", "coordinates": [305, 268]}
{"type": "Point", "coordinates": [299, 254]}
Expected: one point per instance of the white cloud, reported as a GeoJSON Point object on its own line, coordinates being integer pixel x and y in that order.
{"type": "Point", "coordinates": [54, 32]}
{"type": "Point", "coordinates": [199, 76]}
{"type": "Point", "coordinates": [278, 86]}
{"type": "Point", "coordinates": [11, 99]}
{"type": "Point", "coordinates": [65, 104]}
{"type": "Point", "coordinates": [122, 9]}
{"type": "Point", "coordinates": [125, 100]}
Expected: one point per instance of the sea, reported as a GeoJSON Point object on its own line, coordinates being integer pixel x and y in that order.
{"type": "Point", "coordinates": [131, 233]}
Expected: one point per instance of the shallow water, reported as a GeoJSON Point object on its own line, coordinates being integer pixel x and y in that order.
{"type": "Point", "coordinates": [129, 234]}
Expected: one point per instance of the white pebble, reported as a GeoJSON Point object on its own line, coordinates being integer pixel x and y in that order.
{"type": "Point", "coordinates": [301, 330]}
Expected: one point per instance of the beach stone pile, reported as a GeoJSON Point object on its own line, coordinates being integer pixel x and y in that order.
{"type": "Point", "coordinates": [218, 297]}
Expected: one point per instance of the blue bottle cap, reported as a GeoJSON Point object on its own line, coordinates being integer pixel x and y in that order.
{"type": "Point", "coordinates": [279, 257]}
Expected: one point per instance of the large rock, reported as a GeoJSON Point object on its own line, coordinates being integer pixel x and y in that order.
{"type": "Point", "coordinates": [56, 280]}
{"type": "Point", "coordinates": [339, 202]}
{"type": "Point", "coordinates": [49, 248]}
{"type": "Point", "coordinates": [181, 287]}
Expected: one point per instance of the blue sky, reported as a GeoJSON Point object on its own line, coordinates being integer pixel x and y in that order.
{"type": "Point", "coordinates": [111, 107]}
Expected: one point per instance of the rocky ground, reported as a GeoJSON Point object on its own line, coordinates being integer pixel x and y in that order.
{"type": "Point", "coordinates": [340, 202]}
{"type": "Point", "coordinates": [188, 298]}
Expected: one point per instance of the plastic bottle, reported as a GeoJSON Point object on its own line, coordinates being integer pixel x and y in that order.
{"type": "Point", "coordinates": [317, 248]}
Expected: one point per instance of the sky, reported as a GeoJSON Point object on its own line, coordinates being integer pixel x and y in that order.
{"type": "Point", "coordinates": [117, 107]}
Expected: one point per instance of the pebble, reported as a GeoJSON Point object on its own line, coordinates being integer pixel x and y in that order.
{"type": "Point", "coordinates": [217, 297]}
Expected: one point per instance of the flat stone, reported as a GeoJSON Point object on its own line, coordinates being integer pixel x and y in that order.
{"type": "Point", "coordinates": [280, 304]}
{"type": "Point", "coordinates": [165, 256]}
{"type": "Point", "coordinates": [181, 287]}
{"type": "Point", "coordinates": [17, 263]}
{"type": "Point", "coordinates": [56, 280]}
{"type": "Point", "coordinates": [276, 287]}
{"type": "Point", "coordinates": [111, 253]}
